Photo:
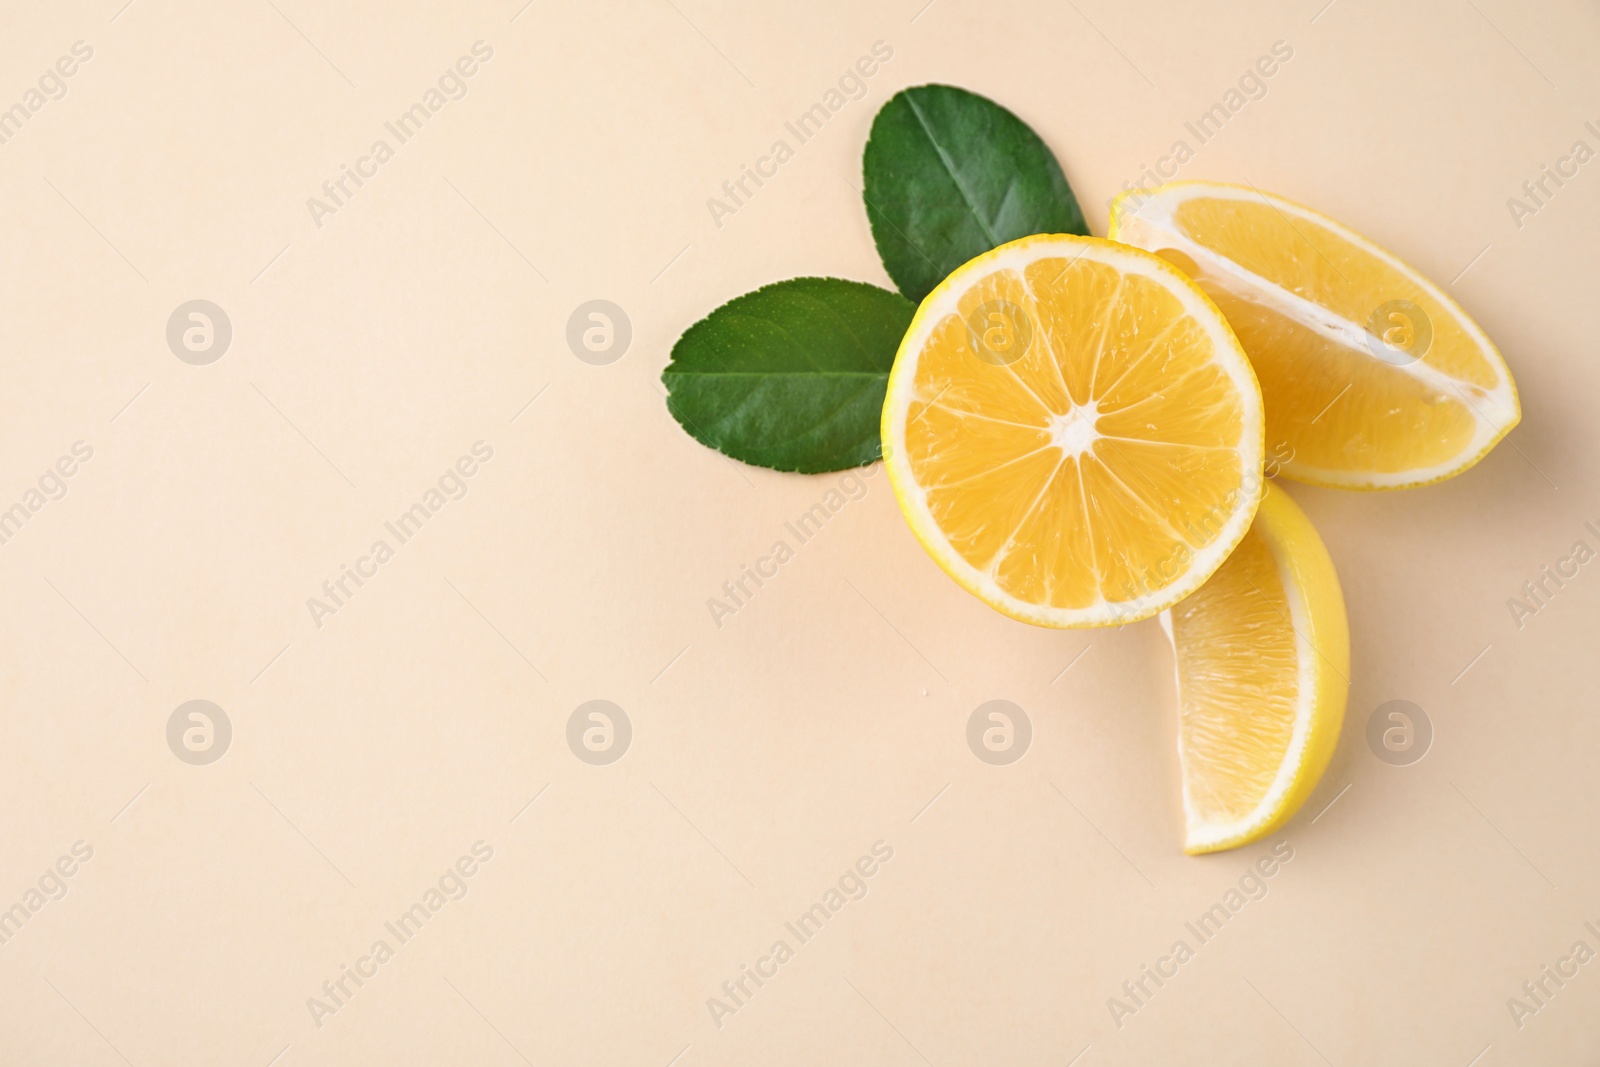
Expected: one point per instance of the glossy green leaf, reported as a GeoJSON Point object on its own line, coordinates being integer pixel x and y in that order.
{"type": "Point", "coordinates": [948, 175]}
{"type": "Point", "coordinates": [791, 376]}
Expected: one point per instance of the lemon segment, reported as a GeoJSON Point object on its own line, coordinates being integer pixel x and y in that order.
{"type": "Point", "coordinates": [1372, 377]}
{"type": "Point", "coordinates": [1262, 652]}
{"type": "Point", "coordinates": [1073, 431]}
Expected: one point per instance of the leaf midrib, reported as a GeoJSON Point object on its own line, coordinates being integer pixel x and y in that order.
{"type": "Point", "coordinates": [949, 166]}
{"type": "Point", "coordinates": [810, 432]}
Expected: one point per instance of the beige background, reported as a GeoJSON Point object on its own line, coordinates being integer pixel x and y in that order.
{"type": "Point", "coordinates": [829, 713]}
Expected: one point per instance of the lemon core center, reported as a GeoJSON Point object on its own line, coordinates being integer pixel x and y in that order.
{"type": "Point", "coordinates": [1075, 431]}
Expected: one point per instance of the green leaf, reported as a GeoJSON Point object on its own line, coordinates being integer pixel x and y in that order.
{"type": "Point", "coordinates": [948, 175]}
{"type": "Point", "coordinates": [791, 376]}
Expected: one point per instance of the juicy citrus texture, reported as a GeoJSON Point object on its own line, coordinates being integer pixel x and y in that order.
{"type": "Point", "coordinates": [1263, 658]}
{"type": "Point", "coordinates": [1073, 432]}
{"type": "Point", "coordinates": [1372, 377]}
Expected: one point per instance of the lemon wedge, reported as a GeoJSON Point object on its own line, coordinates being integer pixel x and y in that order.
{"type": "Point", "coordinates": [1372, 377]}
{"type": "Point", "coordinates": [1263, 663]}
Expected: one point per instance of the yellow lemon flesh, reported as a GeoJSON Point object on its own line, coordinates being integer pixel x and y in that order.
{"type": "Point", "coordinates": [1372, 377]}
{"type": "Point", "coordinates": [1263, 660]}
{"type": "Point", "coordinates": [1073, 431]}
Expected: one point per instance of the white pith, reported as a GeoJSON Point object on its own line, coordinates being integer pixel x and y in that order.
{"type": "Point", "coordinates": [1152, 226]}
{"type": "Point", "coordinates": [1074, 433]}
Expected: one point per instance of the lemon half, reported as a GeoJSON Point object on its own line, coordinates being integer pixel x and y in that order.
{"type": "Point", "coordinates": [1073, 432]}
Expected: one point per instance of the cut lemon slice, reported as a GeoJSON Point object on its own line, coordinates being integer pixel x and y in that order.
{"type": "Point", "coordinates": [1263, 660]}
{"type": "Point", "coordinates": [1373, 378]}
{"type": "Point", "coordinates": [1073, 432]}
